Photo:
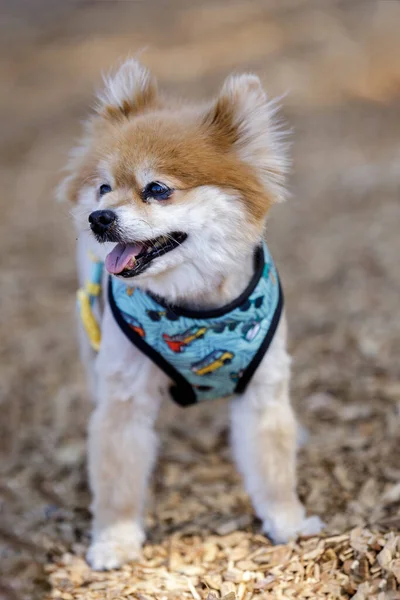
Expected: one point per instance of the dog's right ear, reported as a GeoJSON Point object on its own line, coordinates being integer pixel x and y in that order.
{"type": "Point", "coordinates": [129, 91]}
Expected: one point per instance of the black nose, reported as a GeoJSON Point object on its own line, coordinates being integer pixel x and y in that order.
{"type": "Point", "coordinates": [101, 220]}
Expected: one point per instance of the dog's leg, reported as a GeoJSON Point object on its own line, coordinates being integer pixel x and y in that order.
{"type": "Point", "coordinates": [88, 359]}
{"type": "Point", "coordinates": [122, 448]}
{"type": "Point", "coordinates": [264, 446]}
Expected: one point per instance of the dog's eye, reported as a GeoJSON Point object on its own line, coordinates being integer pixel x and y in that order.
{"type": "Point", "coordinates": [157, 191]}
{"type": "Point", "coordinates": [104, 189]}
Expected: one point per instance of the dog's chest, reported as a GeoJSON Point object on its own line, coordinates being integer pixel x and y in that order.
{"type": "Point", "coordinates": [207, 354]}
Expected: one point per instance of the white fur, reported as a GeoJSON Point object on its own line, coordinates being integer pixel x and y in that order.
{"type": "Point", "coordinates": [193, 271]}
{"type": "Point", "coordinates": [210, 268]}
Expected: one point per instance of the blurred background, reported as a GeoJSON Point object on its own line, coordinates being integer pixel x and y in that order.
{"type": "Point", "coordinates": [336, 242]}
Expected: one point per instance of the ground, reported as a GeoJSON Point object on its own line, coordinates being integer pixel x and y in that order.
{"type": "Point", "coordinates": [337, 246]}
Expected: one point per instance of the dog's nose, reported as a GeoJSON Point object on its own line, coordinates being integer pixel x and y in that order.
{"type": "Point", "coordinates": [101, 220]}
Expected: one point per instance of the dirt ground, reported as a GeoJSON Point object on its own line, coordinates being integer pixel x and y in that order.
{"type": "Point", "coordinates": [336, 243]}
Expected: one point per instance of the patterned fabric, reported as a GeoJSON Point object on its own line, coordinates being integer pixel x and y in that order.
{"type": "Point", "coordinates": [211, 350]}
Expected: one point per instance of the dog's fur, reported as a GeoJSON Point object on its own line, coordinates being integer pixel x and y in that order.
{"type": "Point", "coordinates": [226, 161]}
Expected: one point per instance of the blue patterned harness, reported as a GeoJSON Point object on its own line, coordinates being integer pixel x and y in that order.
{"type": "Point", "coordinates": [208, 354]}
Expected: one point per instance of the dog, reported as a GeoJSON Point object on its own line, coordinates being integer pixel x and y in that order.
{"type": "Point", "coordinates": [173, 198]}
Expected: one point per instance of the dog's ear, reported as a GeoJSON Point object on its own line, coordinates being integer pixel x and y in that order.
{"type": "Point", "coordinates": [129, 91]}
{"type": "Point", "coordinates": [242, 119]}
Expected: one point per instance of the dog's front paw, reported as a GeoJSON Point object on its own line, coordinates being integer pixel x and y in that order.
{"type": "Point", "coordinates": [115, 545]}
{"type": "Point", "coordinates": [290, 522]}
{"type": "Point", "coordinates": [311, 526]}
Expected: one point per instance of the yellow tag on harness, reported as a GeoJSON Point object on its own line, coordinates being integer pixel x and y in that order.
{"type": "Point", "coordinates": [88, 319]}
{"type": "Point", "coordinates": [93, 289]}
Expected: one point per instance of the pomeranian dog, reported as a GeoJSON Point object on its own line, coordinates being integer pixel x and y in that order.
{"type": "Point", "coordinates": [172, 199]}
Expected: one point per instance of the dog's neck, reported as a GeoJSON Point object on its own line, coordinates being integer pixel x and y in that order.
{"type": "Point", "coordinates": [225, 288]}
{"type": "Point", "coordinates": [198, 290]}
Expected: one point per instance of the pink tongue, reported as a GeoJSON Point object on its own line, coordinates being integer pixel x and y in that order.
{"type": "Point", "coordinates": [118, 258]}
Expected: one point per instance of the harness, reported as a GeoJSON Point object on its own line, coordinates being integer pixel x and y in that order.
{"type": "Point", "coordinates": [207, 353]}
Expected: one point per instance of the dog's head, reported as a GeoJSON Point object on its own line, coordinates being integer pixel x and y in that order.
{"type": "Point", "coordinates": [182, 191]}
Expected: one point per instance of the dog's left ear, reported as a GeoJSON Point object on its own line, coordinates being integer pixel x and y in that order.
{"type": "Point", "coordinates": [130, 91]}
{"type": "Point", "coordinates": [242, 119]}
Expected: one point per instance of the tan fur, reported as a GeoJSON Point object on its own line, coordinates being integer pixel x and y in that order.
{"type": "Point", "coordinates": [195, 147]}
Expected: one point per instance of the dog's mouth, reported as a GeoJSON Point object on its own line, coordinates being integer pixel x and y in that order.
{"type": "Point", "coordinates": [128, 260]}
